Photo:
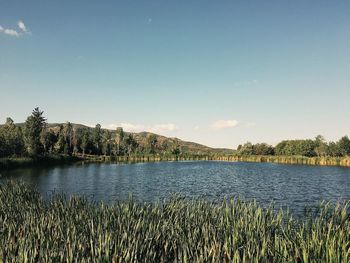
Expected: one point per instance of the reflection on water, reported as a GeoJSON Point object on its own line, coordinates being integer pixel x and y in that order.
{"type": "Point", "coordinates": [289, 186]}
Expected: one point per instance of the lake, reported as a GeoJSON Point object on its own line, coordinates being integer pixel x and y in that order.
{"type": "Point", "coordinates": [288, 186]}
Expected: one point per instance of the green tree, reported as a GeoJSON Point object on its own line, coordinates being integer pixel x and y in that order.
{"type": "Point", "coordinates": [106, 142]}
{"type": "Point", "coordinates": [344, 145]}
{"type": "Point", "coordinates": [33, 128]}
{"type": "Point", "coordinates": [176, 150]}
{"type": "Point", "coordinates": [280, 148]}
{"type": "Point", "coordinates": [12, 139]}
{"type": "Point", "coordinates": [2, 145]}
{"type": "Point", "coordinates": [85, 140]}
{"type": "Point", "coordinates": [61, 140]}
{"type": "Point", "coordinates": [321, 146]}
{"type": "Point", "coordinates": [305, 148]}
{"type": "Point", "coordinates": [151, 143]}
{"type": "Point", "coordinates": [48, 139]}
{"type": "Point", "coordinates": [131, 144]}
{"type": "Point", "coordinates": [247, 149]}
{"type": "Point", "coordinates": [296, 147]}
{"type": "Point", "coordinates": [263, 149]}
{"type": "Point", "coordinates": [97, 138]}
{"type": "Point", "coordinates": [119, 137]}
{"type": "Point", "coordinates": [334, 150]}
{"type": "Point", "coordinates": [68, 133]}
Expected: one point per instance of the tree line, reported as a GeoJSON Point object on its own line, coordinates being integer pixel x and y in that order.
{"type": "Point", "coordinates": [35, 138]}
{"type": "Point", "coordinates": [309, 148]}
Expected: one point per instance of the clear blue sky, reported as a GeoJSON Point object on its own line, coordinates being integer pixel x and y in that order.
{"type": "Point", "coordinates": [216, 72]}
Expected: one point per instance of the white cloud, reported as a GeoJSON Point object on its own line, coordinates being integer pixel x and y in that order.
{"type": "Point", "coordinates": [224, 124]}
{"type": "Point", "coordinates": [196, 128]}
{"type": "Point", "coordinates": [131, 127]}
{"type": "Point", "coordinates": [22, 26]}
{"type": "Point", "coordinates": [157, 128]}
{"type": "Point", "coordinates": [13, 32]}
{"type": "Point", "coordinates": [170, 127]}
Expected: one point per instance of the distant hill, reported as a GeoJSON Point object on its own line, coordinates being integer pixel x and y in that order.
{"type": "Point", "coordinates": [141, 138]}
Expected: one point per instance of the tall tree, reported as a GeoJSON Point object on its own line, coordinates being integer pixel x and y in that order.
{"type": "Point", "coordinates": [61, 140]}
{"type": "Point", "coordinates": [151, 143]}
{"type": "Point", "coordinates": [246, 149]}
{"type": "Point", "coordinates": [12, 138]}
{"type": "Point", "coordinates": [176, 150]}
{"type": "Point", "coordinates": [321, 146]}
{"type": "Point", "coordinates": [2, 145]}
{"type": "Point", "coordinates": [334, 150]}
{"type": "Point", "coordinates": [85, 140]}
{"type": "Point", "coordinates": [106, 142]}
{"type": "Point", "coordinates": [344, 145]}
{"type": "Point", "coordinates": [97, 138]}
{"type": "Point", "coordinates": [131, 144]}
{"type": "Point", "coordinates": [76, 140]}
{"type": "Point", "coordinates": [69, 134]}
{"type": "Point", "coordinates": [33, 128]}
{"type": "Point", "coordinates": [119, 137]}
{"type": "Point", "coordinates": [48, 139]}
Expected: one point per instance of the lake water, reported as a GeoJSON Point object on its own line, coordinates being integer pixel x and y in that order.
{"type": "Point", "coordinates": [292, 186]}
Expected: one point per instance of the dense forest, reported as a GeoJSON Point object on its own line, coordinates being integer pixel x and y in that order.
{"type": "Point", "coordinates": [309, 148]}
{"type": "Point", "coordinates": [36, 138]}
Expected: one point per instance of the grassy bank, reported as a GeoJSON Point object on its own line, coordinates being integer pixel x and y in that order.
{"type": "Point", "coordinates": [11, 163]}
{"type": "Point", "coordinates": [75, 230]}
{"type": "Point", "coordinates": [142, 158]}
{"type": "Point", "coordinates": [323, 161]}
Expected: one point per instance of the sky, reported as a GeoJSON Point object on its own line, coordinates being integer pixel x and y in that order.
{"type": "Point", "coordinates": [220, 73]}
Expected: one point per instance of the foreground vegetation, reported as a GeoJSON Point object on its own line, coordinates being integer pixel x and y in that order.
{"type": "Point", "coordinates": [76, 230]}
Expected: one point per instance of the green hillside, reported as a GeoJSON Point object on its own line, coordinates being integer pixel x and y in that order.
{"type": "Point", "coordinates": [163, 143]}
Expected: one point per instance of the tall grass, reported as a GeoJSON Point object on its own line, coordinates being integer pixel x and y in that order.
{"type": "Point", "coordinates": [76, 230]}
{"type": "Point", "coordinates": [323, 161]}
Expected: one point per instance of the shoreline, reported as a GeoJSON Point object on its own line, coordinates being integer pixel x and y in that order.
{"type": "Point", "coordinates": [24, 162]}
{"type": "Point", "coordinates": [295, 160]}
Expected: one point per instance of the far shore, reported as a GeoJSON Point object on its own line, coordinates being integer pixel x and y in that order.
{"type": "Point", "coordinates": [23, 162]}
{"type": "Point", "coordinates": [301, 160]}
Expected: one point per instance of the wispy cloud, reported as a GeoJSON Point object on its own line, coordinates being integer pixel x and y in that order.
{"type": "Point", "coordinates": [11, 32]}
{"type": "Point", "coordinates": [149, 21]}
{"type": "Point", "coordinates": [224, 124]}
{"type": "Point", "coordinates": [169, 127]}
{"type": "Point", "coordinates": [22, 29]}
{"type": "Point", "coordinates": [157, 128]}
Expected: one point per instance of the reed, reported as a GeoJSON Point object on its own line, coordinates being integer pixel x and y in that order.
{"type": "Point", "coordinates": [322, 161]}
{"type": "Point", "coordinates": [76, 230]}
